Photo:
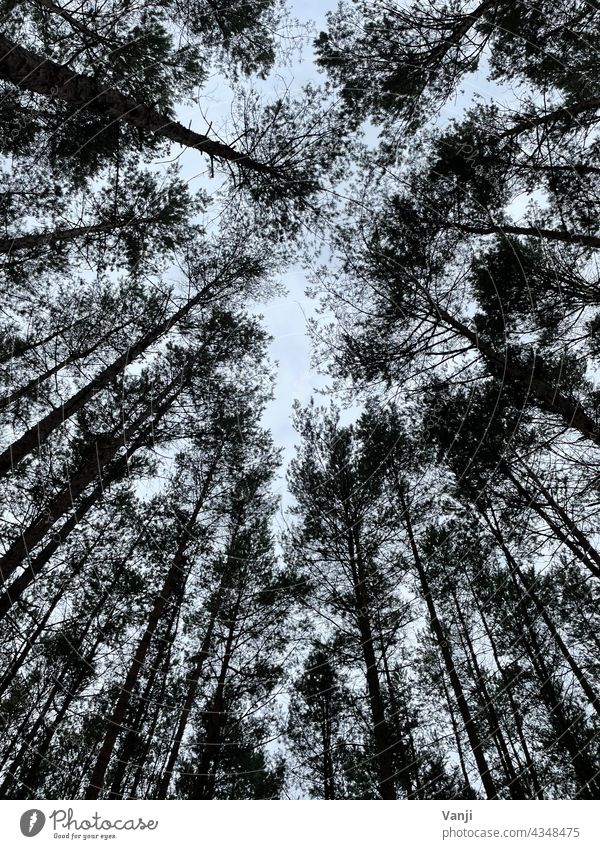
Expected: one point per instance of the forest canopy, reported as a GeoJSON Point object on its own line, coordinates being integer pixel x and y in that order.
{"type": "Point", "coordinates": [414, 613]}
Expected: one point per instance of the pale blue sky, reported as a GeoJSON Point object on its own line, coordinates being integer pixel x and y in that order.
{"type": "Point", "coordinates": [285, 316]}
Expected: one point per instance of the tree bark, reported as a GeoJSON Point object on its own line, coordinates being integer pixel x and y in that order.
{"type": "Point", "coordinates": [35, 73]}
{"type": "Point", "coordinates": [37, 435]}
{"type": "Point", "coordinates": [216, 716]}
{"type": "Point", "coordinates": [106, 449]}
{"type": "Point", "coordinates": [68, 234]}
{"type": "Point", "coordinates": [439, 633]}
{"type": "Point", "coordinates": [381, 732]}
{"type": "Point", "coordinates": [523, 125]}
{"type": "Point", "coordinates": [22, 391]}
{"type": "Point", "coordinates": [174, 582]}
{"type": "Point", "coordinates": [528, 587]}
{"type": "Point", "coordinates": [504, 367]}
{"type": "Point", "coordinates": [533, 232]}
{"type": "Point", "coordinates": [513, 782]}
{"type": "Point", "coordinates": [586, 773]}
{"type": "Point", "coordinates": [193, 682]}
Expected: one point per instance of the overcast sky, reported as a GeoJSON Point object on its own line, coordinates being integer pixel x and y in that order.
{"type": "Point", "coordinates": [285, 316]}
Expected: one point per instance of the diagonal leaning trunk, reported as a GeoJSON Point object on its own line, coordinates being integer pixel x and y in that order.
{"type": "Point", "coordinates": [31, 385]}
{"type": "Point", "coordinates": [497, 733]}
{"type": "Point", "coordinates": [530, 387]}
{"type": "Point", "coordinates": [438, 631]}
{"type": "Point", "coordinates": [37, 435]}
{"type": "Point", "coordinates": [39, 75]}
{"type": "Point", "coordinates": [31, 241]}
{"type": "Point", "coordinates": [526, 124]}
{"type": "Point", "coordinates": [533, 232]}
{"type": "Point", "coordinates": [528, 588]}
{"type": "Point", "coordinates": [105, 452]}
{"type": "Point", "coordinates": [568, 531]}
{"type": "Point", "coordinates": [561, 718]}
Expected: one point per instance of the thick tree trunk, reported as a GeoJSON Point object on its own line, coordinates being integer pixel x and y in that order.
{"type": "Point", "coordinates": [533, 232]}
{"type": "Point", "coordinates": [37, 74]}
{"type": "Point", "coordinates": [37, 435]}
{"type": "Point", "coordinates": [69, 234]}
{"type": "Point", "coordinates": [530, 387]}
{"type": "Point", "coordinates": [92, 468]}
{"type": "Point", "coordinates": [524, 125]}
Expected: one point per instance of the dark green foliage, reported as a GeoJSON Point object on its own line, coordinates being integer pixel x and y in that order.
{"type": "Point", "coordinates": [422, 620]}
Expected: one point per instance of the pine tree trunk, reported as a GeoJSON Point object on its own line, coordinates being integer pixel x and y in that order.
{"type": "Point", "coordinates": [529, 589]}
{"type": "Point", "coordinates": [37, 435]}
{"type": "Point", "coordinates": [204, 784]}
{"type": "Point", "coordinates": [533, 232]}
{"type": "Point", "coordinates": [524, 125]}
{"type": "Point", "coordinates": [193, 682]}
{"type": "Point", "coordinates": [35, 382]}
{"type": "Point", "coordinates": [69, 234]}
{"type": "Point", "coordinates": [174, 583]}
{"type": "Point", "coordinates": [34, 73]}
{"type": "Point", "coordinates": [381, 732]}
{"type": "Point", "coordinates": [105, 451]}
{"type": "Point", "coordinates": [440, 635]}
{"type": "Point", "coordinates": [135, 733]}
{"type": "Point", "coordinates": [516, 710]}
{"type": "Point", "coordinates": [513, 782]}
{"type": "Point", "coordinates": [530, 387]}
